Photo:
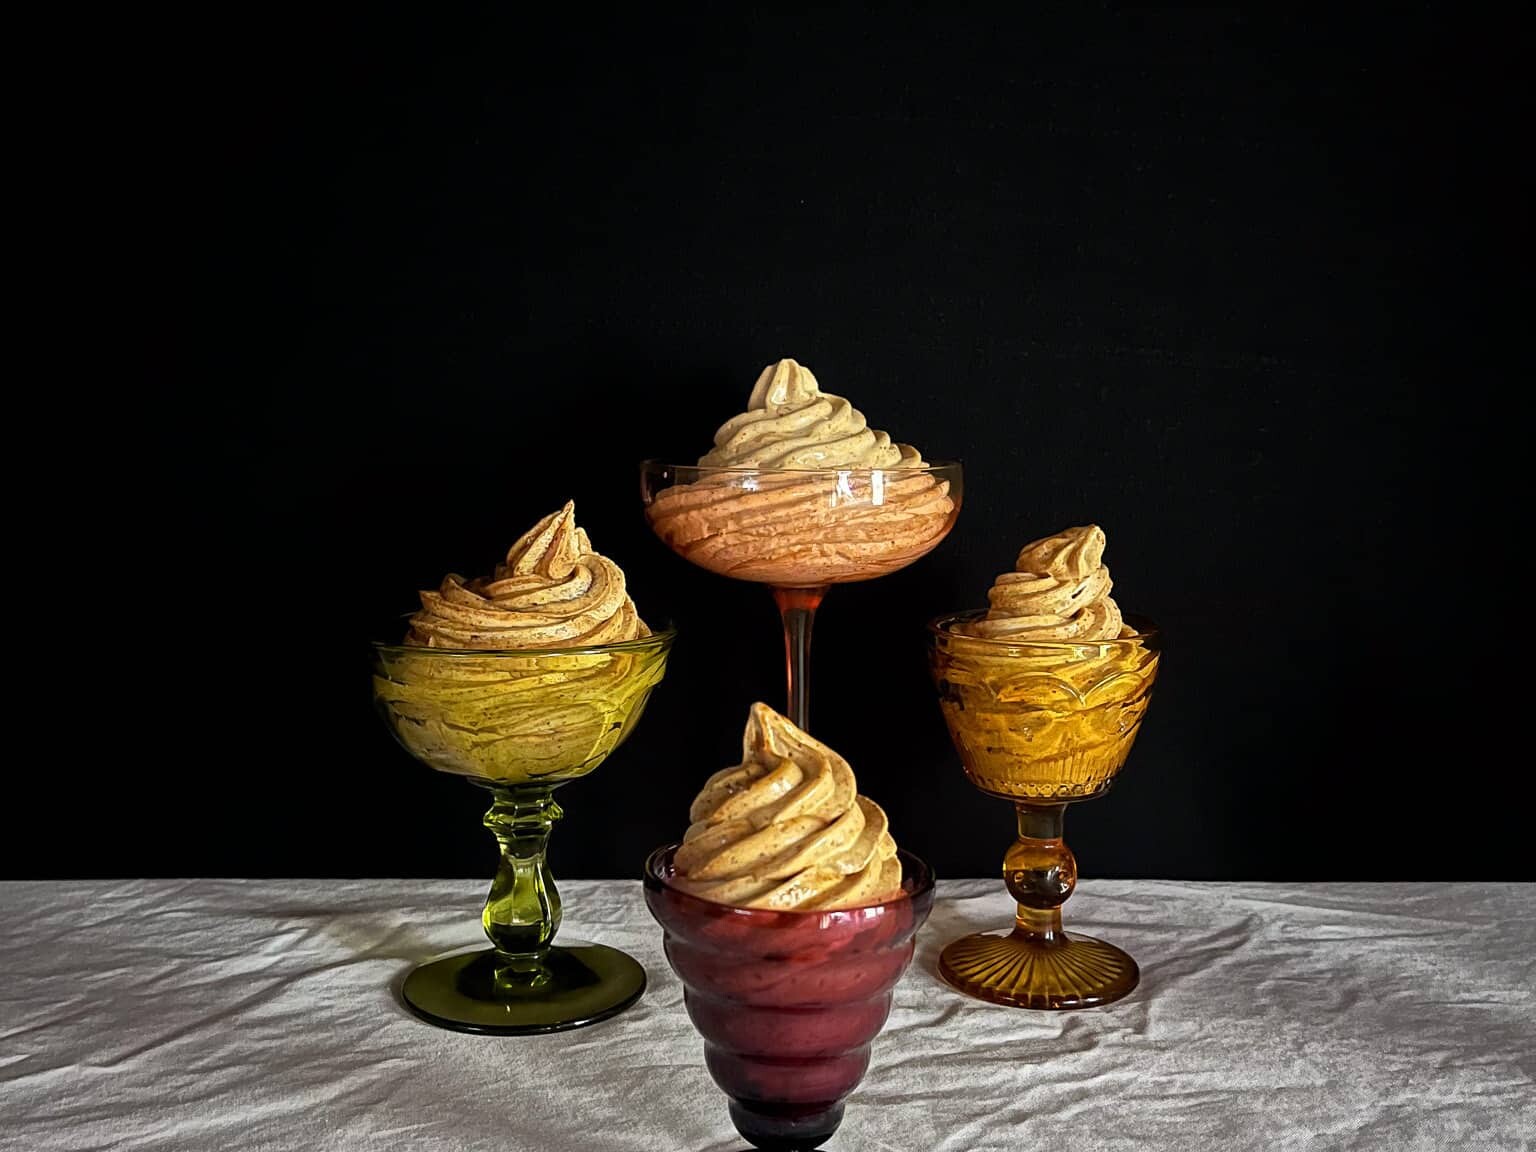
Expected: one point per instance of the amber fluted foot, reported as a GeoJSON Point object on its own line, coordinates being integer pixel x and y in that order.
{"type": "Point", "coordinates": [1022, 971]}
{"type": "Point", "coordinates": [1037, 965]}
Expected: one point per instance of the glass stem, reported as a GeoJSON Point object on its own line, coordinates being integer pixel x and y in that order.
{"type": "Point", "coordinates": [797, 609]}
{"type": "Point", "coordinates": [522, 912]}
{"type": "Point", "coordinates": [1041, 873]}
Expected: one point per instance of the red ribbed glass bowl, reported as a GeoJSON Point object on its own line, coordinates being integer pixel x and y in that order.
{"type": "Point", "coordinates": [788, 1003]}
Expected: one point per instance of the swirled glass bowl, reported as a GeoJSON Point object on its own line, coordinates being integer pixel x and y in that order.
{"type": "Point", "coordinates": [788, 1003]}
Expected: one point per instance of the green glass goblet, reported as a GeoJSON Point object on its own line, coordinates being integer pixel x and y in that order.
{"type": "Point", "coordinates": [520, 724]}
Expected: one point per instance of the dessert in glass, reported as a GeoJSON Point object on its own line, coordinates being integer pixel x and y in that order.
{"type": "Point", "coordinates": [799, 493]}
{"type": "Point", "coordinates": [1044, 693]}
{"type": "Point", "coordinates": [789, 916]}
{"type": "Point", "coordinates": [522, 683]}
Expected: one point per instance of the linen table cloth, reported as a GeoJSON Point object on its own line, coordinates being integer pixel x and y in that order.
{"type": "Point", "coordinates": [259, 1015]}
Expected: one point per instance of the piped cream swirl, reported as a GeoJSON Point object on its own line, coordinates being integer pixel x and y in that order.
{"type": "Point", "coordinates": [553, 591]}
{"type": "Point", "coordinates": [786, 829]}
{"type": "Point", "coordinates": [545, 691]}
{"type": "Point", "coordinates": [821, 498]}
{"type": "Point", "coordinates": [1059, 590]}
{"type": "Point", "coordinates": [791, 423]}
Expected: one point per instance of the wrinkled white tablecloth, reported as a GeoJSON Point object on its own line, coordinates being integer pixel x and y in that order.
{"type": "Point", "coordinates": [225, 1015]}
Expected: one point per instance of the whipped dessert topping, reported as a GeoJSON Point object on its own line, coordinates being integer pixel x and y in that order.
{"type": "Point", "coordinates": [1059, 590]}
{"type": "Point", "coordinates": [786, 828]}
{"type": "Point", "coordinates": [791, 423]}
{"type": "Point", "coordinates": [552, 591]}
{"type": "Point", "coordinates": [509, 679]}
{"type": "Point", "coordinates": [875, 507]}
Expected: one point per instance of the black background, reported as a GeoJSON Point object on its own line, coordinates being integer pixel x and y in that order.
{"type": "Point", "coordinates": [401, 284]}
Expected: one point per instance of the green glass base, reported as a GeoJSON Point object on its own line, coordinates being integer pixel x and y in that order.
{"type": "Point", "coordinates": [575, 987]}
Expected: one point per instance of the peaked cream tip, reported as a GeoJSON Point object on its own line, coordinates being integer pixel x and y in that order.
{"type": "Point", "coordinates": [786, 382]}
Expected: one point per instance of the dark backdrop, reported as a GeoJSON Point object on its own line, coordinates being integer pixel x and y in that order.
{"type": "Point", "coordinates": [1207, 279]}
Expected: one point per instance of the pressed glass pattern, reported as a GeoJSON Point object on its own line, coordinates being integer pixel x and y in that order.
{"type": "Point", "coordinates": [1041, 724]}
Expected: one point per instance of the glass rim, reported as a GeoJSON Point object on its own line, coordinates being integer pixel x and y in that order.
{"type": "Point", "coordinates": [924, 883]}
{"type": "Point", "coordinates": [942, 625]}
{"type": "Point", "coordinates": [658, 637]}
{"type": "Point", "coordinates": [656, 464]}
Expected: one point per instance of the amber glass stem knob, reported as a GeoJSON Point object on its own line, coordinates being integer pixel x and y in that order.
{"type": "Point", "coordinates": [1040, 871]}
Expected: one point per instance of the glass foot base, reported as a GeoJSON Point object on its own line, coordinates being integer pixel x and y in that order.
{"type": "Point", "coordinates": [577, 986]}
{"type": "Point", "coordinates": [1021, 972]}
{"type": "Point", "coordinates": [786, 1128]}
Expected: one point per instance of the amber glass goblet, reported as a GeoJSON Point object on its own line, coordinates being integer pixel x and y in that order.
{"type": "Point", "coordinates": [520, 724]}
{"type": "Point", "coordinates": [788, 1003]}
{"type": "Point", "coordinates": [800, 531]}
{"type": "Point", "coordinates": [1041, 724]}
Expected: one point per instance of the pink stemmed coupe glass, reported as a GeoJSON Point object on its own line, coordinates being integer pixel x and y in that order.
{"type": "Point", "coordinates": [800, 531]}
